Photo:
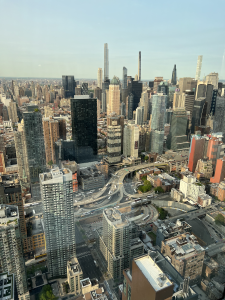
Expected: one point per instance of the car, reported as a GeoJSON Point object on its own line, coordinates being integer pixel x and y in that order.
{"type": "Point", "coordinates": [109, 198]}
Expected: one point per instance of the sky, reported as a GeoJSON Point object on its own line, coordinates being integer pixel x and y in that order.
{"type": "Point", "coordinates": [46, 38]}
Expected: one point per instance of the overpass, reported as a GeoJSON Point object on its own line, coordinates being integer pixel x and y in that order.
{"type": "Point", "coordinates": [118, 181]}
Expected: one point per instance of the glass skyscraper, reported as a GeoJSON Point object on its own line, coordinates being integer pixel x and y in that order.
{"type": "Point", "coordinates": [84, 128]}
{"type": "Point", "coordinates": [69, 85]}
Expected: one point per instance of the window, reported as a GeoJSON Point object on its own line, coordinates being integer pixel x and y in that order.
{"type": "Point", "coordinates": [125, 286]}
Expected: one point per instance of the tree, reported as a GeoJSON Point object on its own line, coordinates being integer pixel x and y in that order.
{"type": "Point", "coordinates": [46, 293]}
{"type": "Point", "coordinates": [159, 189]}
{"type": "Point", "coordinates": [36, 110]}
{"type": "Point", "coordinates": [146, 157]}
{"type": "Point", "coordinates": [50, 163]}
{"type": "Point", "coordinates": [220, 220]}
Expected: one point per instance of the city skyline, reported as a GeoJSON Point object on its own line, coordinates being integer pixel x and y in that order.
{"type": "Point", "coordinates": [39, 50]}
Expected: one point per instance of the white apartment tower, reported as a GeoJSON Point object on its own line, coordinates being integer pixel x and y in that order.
{"type": "Point", "coordinates": [106, 62]}
{"type": "Point", "coordinates": [58, 214]}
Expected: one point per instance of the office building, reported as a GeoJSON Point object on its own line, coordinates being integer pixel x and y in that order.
{"type": "Point", "coordinates": [151, 276]}
{"type": "Point", "coordinates": [100, 78]}
{"type": "Point", "coordinates": [74, 276]}
{"type": "Point", "coordinates": [84, 88]}
{"type": "Point", "coordinates": [69, 85]}
{"type": "Point", "coordinates": [156, 141]}
{"type": "Point", "coordinates": [129, 106]}
{"type": "Point", "coordinates": [198, 113]}
{"type": "Point", "coordinates": [219, 119]}
{"type": "Point", "coordinates": [144, 101]}
{"type": "Point", "coordinates": [114, 144]}
{"type": "Point", "coordinates": [21, 153]}
{"type": "Point", "coordinates": [135, 87]}
{"type": "Point", "coordinates": [178, 130]}
{"type": "Point", "coordinates": [158, 111]}
{"type": "Point", "coordinates": [198, 68]}
{"type": "Point", "coordinates": [174, 76]}
{"type": "Point", "coordinates": [105, 88]}
{"type": "Point", "coordinates": [157, 81]}
{"type": "Point", "coordinates": [51, 135]}
{"type": "Point", "coordinates": [33, 131]}
{"type": "Point", "coordinates": [118, 242]}
{"type": "Point", "coordinates": [196, 151]}
{"type": "Point", "coordinates": [213, 79]}
{"type": "Point", "coordinates": [58, 216]}
{"type": "Point", "coordinates": [106, 62]}
{"type": "Point", "coordinates": [187, 84]}
{"type": "Point", "coordinates": [11, 251]}
{"type": "Point", "coordinates": [84, 127]}
{"type": "Point", "coordinates": [139, 116]}
{"type": "Point", "coordinates": [163, 88]}
{"type": "Point", "coordinates": [187, 101]}
{"type": "Point", "coordinates": [139, 66]}
{"type": "Point", "coordinates": [12, 112]}
{"type": "Point", "coordinates": [186, 255]}
{"type": "Point", "coordinates": [64, 150]}
{"type": "Point", "coordinates": [219, 171]}
{"type": "Point", "coordinates": [78, 90]}
{"type": "Point", "coordinates": [98, 93]}
{"type": "Point", "coordinates": [131, 140]}
{"type": "Point", "coordinates": [112, 120]}
{"type": "Point", "coordinates": [62, 128]}
{"type": "Point", "coordinates": [114, 97]}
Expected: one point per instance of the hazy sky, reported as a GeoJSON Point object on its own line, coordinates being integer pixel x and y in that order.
{"type": "Point", "coordinates": [46, 38]}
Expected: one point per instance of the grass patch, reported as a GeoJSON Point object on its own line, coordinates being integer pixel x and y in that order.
{"type": "Point", "coordinates": [153, 237]}
{"type": "Point", "coordinates": [162, 213]}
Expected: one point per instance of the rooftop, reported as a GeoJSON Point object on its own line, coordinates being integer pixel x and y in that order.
{"type": "Point", "coordinates": [6, 286]}
{"type": "Point", "coordinates": [153, 273]}
{"type": "Point", "coordinates": [55, 175]}
{"type": "Point", "coordinates": [115, 216]}
{"type": "Point", "coordinates": [8, 214]}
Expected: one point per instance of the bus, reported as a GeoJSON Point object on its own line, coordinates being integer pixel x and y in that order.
{"type": "Point", "coordinates": [145, 218]}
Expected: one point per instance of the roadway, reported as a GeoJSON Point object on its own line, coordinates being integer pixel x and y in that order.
{"type": "Point", "coordinates": [114, 187]}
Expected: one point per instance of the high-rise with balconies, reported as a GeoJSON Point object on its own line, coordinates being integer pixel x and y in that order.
{"type": "Point", "coordinates": [58, 214]}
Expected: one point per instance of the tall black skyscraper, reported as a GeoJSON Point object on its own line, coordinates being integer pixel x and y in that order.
{"type": "Point", "coordinates": [174, 76]}
{"type": "Point", "coordinates": [84, 128]}
{"type": "Point", "coordinates": [69, 85]}
{"type": "Point", "coordinates": [135, 87]}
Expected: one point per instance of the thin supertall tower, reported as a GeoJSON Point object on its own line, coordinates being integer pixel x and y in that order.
{"type": "Point", "coordinates": [174, 76]}
{"type": "Point", "coordinates": [139, 66]}
{"type": "Point", "coordinates": [198, 69]}
{"type": "Point", "coordinates": [100, 78]}
{"type": "Point", "coordinates": [106, 62]}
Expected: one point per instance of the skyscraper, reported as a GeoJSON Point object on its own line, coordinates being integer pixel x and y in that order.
{"type": "Point", "coordinates": [198, 68]}
{"type": "Point", "coordinates": [105, 87]}
{"type": "Point", "coordinates": [114, 96]}
{"type": "Point", "coordinates": [178, 130]}
{"type": "Point", "coordinates": [34, 136]}
{"type": "Point", "coordinates": [174, 76]}
{"type": "Point", "coordinates": [135, 87]}
{"type": "Point", "coordinates": [116, 241]}
{"type": "Point", "coordinates": [58, 216]}
{"type": "Point", "coordinates": [100, 78]}
{"type": "Point", "coordinates": [124, 82]}
{"type": "Point", "coordinates": [84, 88]}
{"type": "Point", "coordinates": [131, 140]}
{"type": "Point", "coordinates": [213, 78]}
{"type": "Point", "coordinates": [196, 151]}
{"type": "Point", "coordinates": [84, 127]}
{"type": "Point", "coordinates": [51, 135]}
{"type": "Point", "coordinates": [139, 66]}
{"type": "Point", "coordinates": [139, 115]}
{"type": "Point", "coordinates": [114, 144]}
{"type": "Point", "coordinates": [144, 101]}
{"type": "Point", "coordinates": [69, 85]}
{"type": "Point", "coordinates": [11, 251]}
{"type": "Point", "coordinates": [158, 111]}
{"type": "Point", "coordinates": [130, 105]}
{"type": "Point", "coordinates": [106, 62]}
{"type": "Point", "coordinates": [12, 111]}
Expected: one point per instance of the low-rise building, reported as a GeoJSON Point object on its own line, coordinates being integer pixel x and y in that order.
{"type": "Point", "coordinates": [204, 200]}
{"type": "Point", "coordinates": [90, 178]}
{"type": "Point", "coordinates": [147, 171]}
{"type": "Point", "coordinates": [204, 169]}
{"type": "Point", "coordinates": [214, 189]}
{"type": "Point", "coordinates": [177, 195]}
{"type": "Point", "coordinates": [221, 191]}
{"type": "Point", "coordinates": [132, 161]}
{"type": "Point", "coordinates": [186, 255]}
{"type": "Point", "coordinates": [166, 230]}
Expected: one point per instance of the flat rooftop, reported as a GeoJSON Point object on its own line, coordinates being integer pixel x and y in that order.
{"type": "Point", "coordinates": [8, 213]}
{"type": "Point", "coordinates": [153, 273]}
{"type": "Point", "coordinates": [55, 174]}
{"type": "Point", "coordinates": [115, 217]}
